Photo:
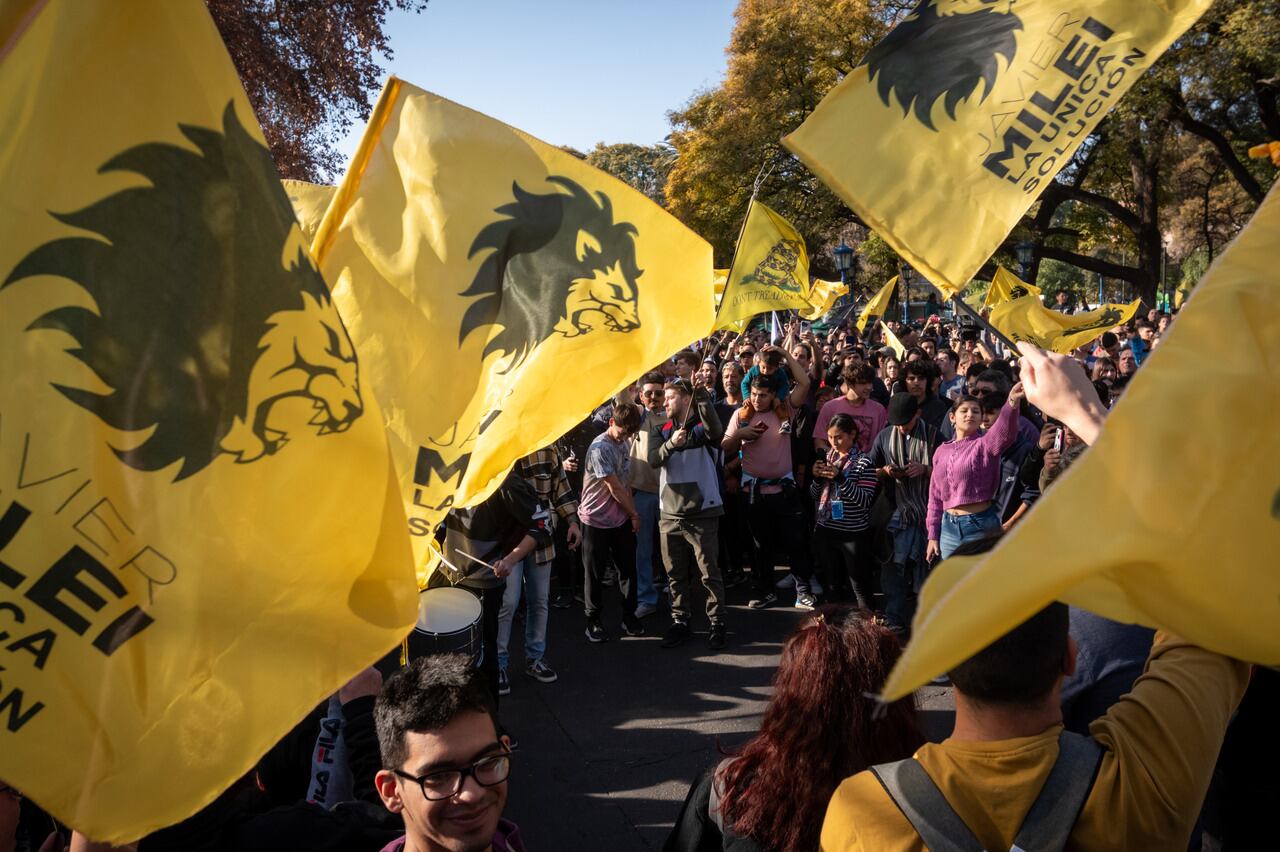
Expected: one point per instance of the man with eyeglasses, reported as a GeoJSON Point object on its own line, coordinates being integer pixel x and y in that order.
{"type": "Point", "coordinates": [445, 768]}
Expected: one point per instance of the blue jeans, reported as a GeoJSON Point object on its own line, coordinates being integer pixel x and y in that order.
{"type": "Point", "coordinates": [957, 529]}
{"type": "Point", "coordinates": [536, 582]}
{"type": "Point", "coordinates": [647, 506]}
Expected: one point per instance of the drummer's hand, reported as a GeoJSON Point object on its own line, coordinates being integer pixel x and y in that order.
{"type": "Point", "coordinates": [367, 682]}
{"type": "Point", "coordinates": [574, 536]}
{"type": "Point", "coordinates": [504, 566]}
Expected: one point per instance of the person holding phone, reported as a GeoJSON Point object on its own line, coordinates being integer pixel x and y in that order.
{"type": "Point", "coordinates": [843, 488]}
{"type": "Point", "coordinates": [902, 454]}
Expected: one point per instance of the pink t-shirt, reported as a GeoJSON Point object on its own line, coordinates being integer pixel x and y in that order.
{"type": "Point", "coordinates": [871, 417]}
{"type": "Point", "coordinates": [767, 457]}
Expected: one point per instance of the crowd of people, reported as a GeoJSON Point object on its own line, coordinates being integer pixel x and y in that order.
{"type": "Point", "coordinates": [854, 470]}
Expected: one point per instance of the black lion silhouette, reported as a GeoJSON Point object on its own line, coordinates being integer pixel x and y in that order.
{"type": "Point", "coordinates": [931, 55]}
{"type": "Point", "coordinates": [559, 264]}
{"type": "Point", "coordinates": [208, 309]}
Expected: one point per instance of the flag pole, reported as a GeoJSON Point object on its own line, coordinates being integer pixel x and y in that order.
{"type": "Point", "coordinates": [963, 306]}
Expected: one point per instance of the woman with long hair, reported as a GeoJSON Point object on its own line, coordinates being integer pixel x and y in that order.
{"type": "Point", "coordinates": [966, 473]}
{"type": "Point", "coordinates": [819, 728]}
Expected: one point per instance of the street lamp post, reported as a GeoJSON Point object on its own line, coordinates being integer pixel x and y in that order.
{"type": "Point", "coordinates": [1025, 250]}
{"type": "Point", "coordinates": [844, 259]}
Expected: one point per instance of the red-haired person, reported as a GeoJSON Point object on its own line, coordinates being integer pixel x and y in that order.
{"type": "Point", "coordinates": [817, 730]}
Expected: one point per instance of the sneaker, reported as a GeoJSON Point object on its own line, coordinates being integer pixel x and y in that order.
{"type": "Point", "coordinates": [715, 639]}
{"type": "Point", "coordinates": [595, 633]}
{"type": "Point", "coordinates": [735, 579]}
{"type": "Point", "coordinates": [563, 599]}
{"type": "Point", "coordinates": [788, 580]}
{"type": "Point", "coordinates": [504, 684]}
{"type": "Point", "coordinates": [806, 601]}
{"type": "Point", "coordinates": [761, 603]}
{"type": "Point", "coordinates": [645, 610]}
{"type": "Point", "coordinates": [676, 633]}
{"type": "Point", "coordinates": [541, 672]}
{"type": "Point", "coordinates": [632, 626]}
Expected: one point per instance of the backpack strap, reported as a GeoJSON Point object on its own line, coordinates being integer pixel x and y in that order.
{"type": "Point", "coordinates": [923, 804]}
{"type": "Point", "coordinates": [1053, 815]}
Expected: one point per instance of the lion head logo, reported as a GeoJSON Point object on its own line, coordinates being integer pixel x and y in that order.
{"type": "Point", "coordinates": [943, 49]}
{"type": "Point", "coordinates": [557, 264]}
{"type": "Point", "coordinates": [778, 269]}
{"type": "Point", "coordinates": [208, 309]}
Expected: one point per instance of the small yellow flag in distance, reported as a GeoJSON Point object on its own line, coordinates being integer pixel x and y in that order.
{"type": "Point", "coordinates": [823, 296]}
{"type": "Point", "coordinates": [1190, 550]}
{"type": "Point", "coordinates": [770, 268]}
{"type": "Point", "coordinates": [966, 111]}
{"type": "Point", "coordinates": [1026, 319]}
{"type": "Point", "coordinates": [497, 288]}
{"type": "Point", "coordinates": [879, 303]}
{"type": "Point", "coordinates": [200, 538]}
{"type": "Point", "coordinates": [1005, 286]}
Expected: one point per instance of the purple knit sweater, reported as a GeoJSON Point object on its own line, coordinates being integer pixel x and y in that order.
{"type": "Point", "coordinates": [968, 471]}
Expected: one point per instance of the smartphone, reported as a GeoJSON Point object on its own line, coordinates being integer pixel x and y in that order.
{"type": "Point", "coordinates": [1057, 440]}
{"type": "Point", "coordinates": [805, 325]}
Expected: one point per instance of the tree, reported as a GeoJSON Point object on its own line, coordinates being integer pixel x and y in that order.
{"type": "Point", "coordinates": [309, 69]}
{"type": "Point", "coordinates": [643, 167]}
{"type": "Point", "coordinates": [784, 56]}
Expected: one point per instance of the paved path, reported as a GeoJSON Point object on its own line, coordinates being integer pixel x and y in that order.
{"type": "Point", "coordinates": [607, 753]}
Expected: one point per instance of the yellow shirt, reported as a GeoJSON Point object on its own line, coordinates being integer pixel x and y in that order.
{"type": "Point", "coordinates": [1160, 741]}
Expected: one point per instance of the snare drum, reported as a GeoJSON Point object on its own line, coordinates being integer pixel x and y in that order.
{"type": "Point", "coordinates": [448, 622]}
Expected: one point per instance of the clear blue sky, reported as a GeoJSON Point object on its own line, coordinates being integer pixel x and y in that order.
{"type": "Point", "coordinates": [570, 72]}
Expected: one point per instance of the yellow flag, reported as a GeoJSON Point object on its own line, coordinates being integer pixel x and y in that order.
{"type": "Point", "coordinates": [879, 303]}
{"type": "Point", "coordinates": [497, 288]}
{"type": "Point", "coordinates": [1188, 550]}
{"type": "Point", "coordinates": [199, 534]}
{"type": "Point", "coordinates": [894, 343]}
{"type": "Point", "coordinates": [1180, 295]}
{"type": "Point", "coordinates": [1024, 318]}
{"type": "Point", "coordinates": [823, 296]}
{"type": "Point", "coordinates": [1004, 286]}
{"type": "Point", "coordinates": [964, 113]}
{"type": "Point", "coordinates": [770, 268]}
{"type": "Point", "coordinates": [309, 201]}
{"type": "Point", "coordinates": [719, 277]}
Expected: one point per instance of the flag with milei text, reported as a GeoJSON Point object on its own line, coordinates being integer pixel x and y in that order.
{"type": "Point", "coordinates": [1142, 562]}
{"type": "Point", "coordinates": [200, 536]}
{"type": "Point", "coordinates": [981, 104]}
{"type": "Point", "coordinates": [496, 289]}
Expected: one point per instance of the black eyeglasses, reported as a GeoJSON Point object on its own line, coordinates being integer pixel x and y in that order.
{"type": "Point", "coordinates": [488, 771]}
{"type": "Point", "coordinates": [981, 392]}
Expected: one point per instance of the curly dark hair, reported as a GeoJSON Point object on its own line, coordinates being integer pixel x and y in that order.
{"type": "Point", "coordinates": [820, 728]}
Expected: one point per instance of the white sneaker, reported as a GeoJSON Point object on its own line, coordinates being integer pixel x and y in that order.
{"type": "Point", "coordinates": [788, 580]}
{"type": "Point", "coordinates": [645, 610]}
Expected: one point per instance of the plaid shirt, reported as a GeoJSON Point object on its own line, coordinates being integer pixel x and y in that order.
{"type": "Point", "coordinates": [542, 470]}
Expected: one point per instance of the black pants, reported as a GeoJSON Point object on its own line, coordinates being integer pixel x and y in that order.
{"type": "Point", "coordinates": [490, 606]}
{"type": "Point", "coordinates": [778, 529]}
{"type": "Point", "coordinates": [842, 555]}
{"type": "Point", "coordinates": [735, 535]}
{"type": "Point", "coordinates": [567, 565]}
{"type": "Point", "coordinates": [602, 546]}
